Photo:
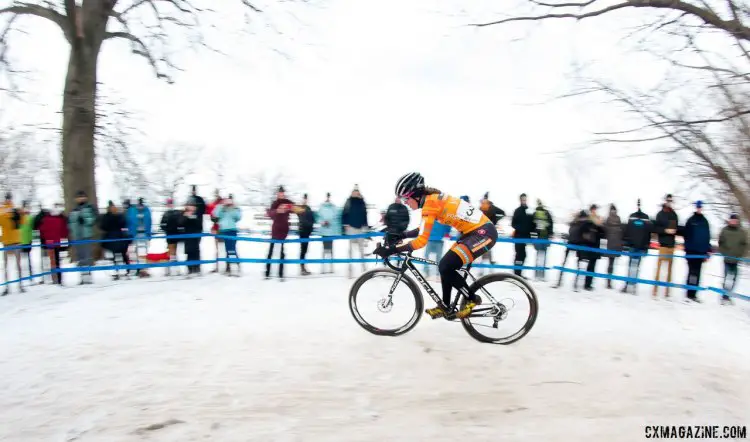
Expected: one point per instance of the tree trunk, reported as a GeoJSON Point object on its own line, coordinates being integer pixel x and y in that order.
{"type": "Point", "coordinates": [79, 126]}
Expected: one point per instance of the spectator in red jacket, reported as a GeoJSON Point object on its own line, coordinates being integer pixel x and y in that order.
{"type": "Point", "coordinates": [54, 228]}
{"type": "Point", "coordinates": [279, 214]}
{"type": "Point", "coordinates": [211, 211]}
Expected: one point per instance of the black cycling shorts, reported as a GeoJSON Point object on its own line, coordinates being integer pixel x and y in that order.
{"type": "Point", "coordinates": [476, 243]}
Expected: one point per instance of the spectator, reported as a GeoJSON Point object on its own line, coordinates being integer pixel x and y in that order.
{"type": "Point", "coordinates": [279, 214]}
{"type": "Point", "coordinates": [592, 233]}
{"type": "Point", "coordinates": [53, 227]}
{"type": "Point", "coordinates": [81, 223]}
{"type": "Point", "coordinates": [36, 224]}
{"type": "Point", "coordinates": [114, 228]}
{"type": "Point", "coordinates": [637, 239]}
{"type": "Point", "coordinates": [192, 224]}
{"type": "Point", "coordinates": [697, 235]}
{"type": "Point", "coordinates": [306, 224]}
{"type": "Point", "coordinates": [665, 226]}
{"type": "Point", "coordinates": [573, 237]}
{"type": "Point", "coordinates": [495, 214]}
{"type": "Point", "coordinates": [227, 216]}
{"type": "Point", "coordinates": [396, 220]}
{"type": "Point", "coordinates": [200, 204]}
{"type": "Point", "coordinates": [522, 224]}
{"type": "Point", "coordinates": [10, 223]}
{"type": "Point", "coordinates": [139, 227]}
{"type": "Point", "coordinates": [171, 226]}
{"type": "Point", "coordinates": [328, 217]}
{"type": "Point", "coordinates": [614, 228]}
{"type": "Point", "coordinates": [211, 210]}
{"type": "Point", "coordinates": [544, 229]}
{"type": "Point", "coordinates": [354, 220]}
{"type": "Point", "coordinates": [435, 244]}
{"type": "Point", "coordinates": [27, 235]}
{"type": "Point", "coordinates": [732, 245]}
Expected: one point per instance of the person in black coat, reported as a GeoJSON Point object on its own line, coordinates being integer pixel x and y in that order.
{"type": "Point", "coordinates": [171, 226]}
{"type": "Point", "coordinates": [199, 204]}
{"type": "Point", "coordinates": [396, 220]}
{"type": "Point", "coordinates": [637, 239]}
{"type": "Point", "coordinates": [192, 223]}
{"type": "Point", "coordinates": [306, 225]}
{"type": "Point", "coordinates": [665, 226]}
{"type": "Point", "coordinates": [495, 214]}
{"type": "Point", "coordinates": [574, 238]}
{"type": "Point", "coordinates": [523, 225]}
{"type": "Point", "coordinates": [697, 235]}
{"type": "Point", "coordinates": [114, 227]}
{"type": "Point", "coordinates": [592, 234]}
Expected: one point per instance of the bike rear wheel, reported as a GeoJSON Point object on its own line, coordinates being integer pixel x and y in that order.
{"type": "Point", "coordinates": [380, 283]}
{"type": "Point", "coordinates": [500, 307]}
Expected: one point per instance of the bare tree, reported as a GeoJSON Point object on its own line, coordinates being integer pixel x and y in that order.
{"type": "Point", "coordinates": [167, 167]}
{"type": "Point", "coordinates": [698, 117]}
{"type": "Point", "coordinates": [152, 29]}
{"type": "Point", "coordinates": [261, 187]}
{"type": "Point", "coordinates": [25, 167]}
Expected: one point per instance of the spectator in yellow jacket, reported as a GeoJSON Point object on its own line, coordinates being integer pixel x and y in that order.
{"type": "Point", "coordinates": [10, 224]}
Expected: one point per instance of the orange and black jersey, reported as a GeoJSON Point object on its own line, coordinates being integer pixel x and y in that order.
{"type": "Point", "coordinates": [450, 211]}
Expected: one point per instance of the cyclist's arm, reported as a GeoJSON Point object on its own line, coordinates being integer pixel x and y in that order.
{"type": "Point", "coordinates": [422, 239]}
{"type": "Point", "coordinates": [412, 233]}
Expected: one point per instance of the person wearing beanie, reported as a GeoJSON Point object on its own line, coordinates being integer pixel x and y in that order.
{"type": "Point", "coordinates": [665, 226]}
{"type": "Point", "coordinates": [191, 223]}
{"type": "Point", "coordinates": [228, 215]}
{"type": "Point", "coordinates": [279, 213]}
{"type": "Point", "coordinates": [523, 225]}
{"type": "Point", "coordinates": [170, 225]}
{"type": "Point", "coordinates": [305, 229]}
{"type": "Point", "coordinates": [543, 230]}
{"type": "Point", "coordinates": [697, 235]}
{"type": "Point", "coordinates": [199, 203]}
{"type": "Point", "coordinates": [614, 231]}
{"type": "Point", "coordinates": [10, 224]}
{"type": "Point", "coordinates": [637, 239]}
{"type": "Point", "coordinates": [733, 244]}
{"type": "Point", "coordinates": [114, 227]}
{"type": "Point", "coordinates": [328, 217]}
{"type": "Point", "coordinates": [81, 222]}
{"type": "Point", "coordinates": [355, 222]}
{"type": "Point", "coordinates": [211, 210]}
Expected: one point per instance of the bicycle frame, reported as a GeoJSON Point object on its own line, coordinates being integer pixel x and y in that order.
{"type": "Point", "coordinates": [408, 264]}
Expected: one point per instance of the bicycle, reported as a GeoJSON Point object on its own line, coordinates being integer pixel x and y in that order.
{"type": "Point", "coordinates": [495, 310]}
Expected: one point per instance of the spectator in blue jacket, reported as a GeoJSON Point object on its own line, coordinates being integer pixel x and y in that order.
{"type": "Point", "coordinates": [328, 218]}
{"type": "Point", "coordinates": [228, 215]}
{"type": "Point", "coordinates": [139, 227]}
{"type": "Point", "coordinates": [697, 235]}
{"type": "Point", "coordinates": [435, 243]}
{"type": "Point", "coordinates": [354, 220]}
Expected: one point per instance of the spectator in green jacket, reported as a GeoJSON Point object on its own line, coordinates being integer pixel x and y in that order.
{"type": "Point", "coordinates": [733, 245]}
{"type": "Point", "coordinates": [27, 226]}
{"type": "Point", "coordinates": [81, 223]}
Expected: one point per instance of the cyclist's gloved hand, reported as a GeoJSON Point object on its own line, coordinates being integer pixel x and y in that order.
{"type": "Point", "coordinates": [384, 252]}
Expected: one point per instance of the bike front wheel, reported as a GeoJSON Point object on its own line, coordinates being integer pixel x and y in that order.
{"type": "Point", "coordinates": [382, 306]}
{"type": "Point", "coordinates": [508, 310]}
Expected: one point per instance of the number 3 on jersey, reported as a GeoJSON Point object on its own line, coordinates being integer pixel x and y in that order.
{"type": "Point", "coordinates": [469, 213]}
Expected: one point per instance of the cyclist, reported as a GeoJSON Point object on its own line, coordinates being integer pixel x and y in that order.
{"type": "Point", "coordinates": [478, 235]}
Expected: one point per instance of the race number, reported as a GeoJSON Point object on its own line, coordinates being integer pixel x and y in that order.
{"type": "Point", "coordinates": [469, 213]}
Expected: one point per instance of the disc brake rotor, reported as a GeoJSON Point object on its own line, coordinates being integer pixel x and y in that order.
{"type": "Point", "coordinates": [385, 305]}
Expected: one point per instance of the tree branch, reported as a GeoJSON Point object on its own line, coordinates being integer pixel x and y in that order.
{"type": "Point", "coordinates": [138, 47]}
{"type": "Point", "coordinates": [20, 8]}
{"type": "Point", "coordinates": [733, 27]}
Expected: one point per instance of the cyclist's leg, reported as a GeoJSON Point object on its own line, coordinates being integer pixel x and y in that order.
{"type": "Point", "coordinates": [466, 250]}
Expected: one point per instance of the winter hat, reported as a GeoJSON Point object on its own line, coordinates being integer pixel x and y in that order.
{"type": "Point", "coordinates": [140, 201]}
{"type": "Point", "coordinates": [281, 189]}
{"type": "Point", "coordinates": [110, 203]}
{"type": "Point", "coordinates": [80, 194]}
{"type": "Point", "coordinates": [170, 201]}
{"type": "Point", "coordinates": [593, 207]}
{"type": "Point", "coordinates": [582, 214]}
{"type": "Point", "coordinates": [328, 194]}
{"type": "Point", "coordinates": [523, 195]}
{"type": "Point", "coordinates": [734, 216]}
{"type": "Point", "coordinates": [699, 204]}
{"type": "Point", "coordinates": [612, 207]}
{"type": "Point", "coordinates": [8, 196]}
{"type": "Point", "coordinates": [486, 195]}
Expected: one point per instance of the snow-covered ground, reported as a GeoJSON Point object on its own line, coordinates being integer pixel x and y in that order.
{"type": "Point", "coordinates": [246, 359]}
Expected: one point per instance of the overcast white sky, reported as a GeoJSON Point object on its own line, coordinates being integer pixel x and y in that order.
{"type": "Point", "coordinates": [373, 89]}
